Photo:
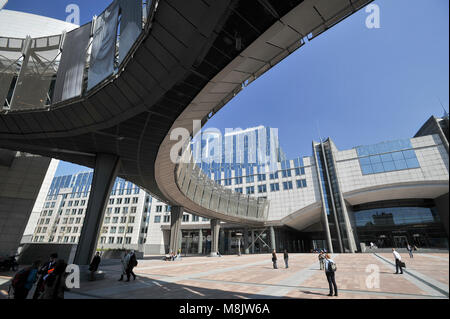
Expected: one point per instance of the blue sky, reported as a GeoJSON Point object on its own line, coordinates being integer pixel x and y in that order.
{"type": "Point", "coordinates": [354, 84]}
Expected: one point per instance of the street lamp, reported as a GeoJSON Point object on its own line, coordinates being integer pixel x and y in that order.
{"type": "Point", "coordinates": [239, 236]}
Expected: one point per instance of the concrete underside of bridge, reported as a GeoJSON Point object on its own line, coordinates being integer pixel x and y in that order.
{"type": "Point", "coordinates": [194, 59]}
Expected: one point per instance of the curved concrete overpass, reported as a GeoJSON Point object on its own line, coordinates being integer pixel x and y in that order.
{"type": "Point", "coordinates": [191, 58]}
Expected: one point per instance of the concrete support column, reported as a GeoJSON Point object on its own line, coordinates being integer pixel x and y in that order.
{"type": "Point", "coordinates": [215, 227]}
{"type": "Point", "coordinates": [200, 241]}
{"type": "Point", "coordinates": [246, 243]}
{"type": "Point", "coordinates": [105, 173]}
{"type": "Point", "coordinates": [176, 216]}
{"type": "Point", "coordinates": [272, 238]}
{"type": "Point", "coordinates": [222, 241]}
{"type": "Point", "coordinates": [253, 241]}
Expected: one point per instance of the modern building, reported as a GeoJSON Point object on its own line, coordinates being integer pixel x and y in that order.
{"type": "Point", "coordinates": [390, 193]}
{"type": "Point", "coordinates": [62, 217]}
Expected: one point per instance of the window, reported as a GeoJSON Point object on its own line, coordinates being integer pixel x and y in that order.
{"type": "Point", "coordinates": [131, 219]}
{"type": "Point", "coordinates": [121, 229]}
{"type": "Point", "coordinates": [111, 201]}
{"type": "Point", "coordinates": [115, 220]}
{"type": "Point", "coordinates": [250, 179]}
{"type": "Point", "coordinates": [237, 180]}
{"type": "Point", "coordinates": [167, 208]}
{"type": "Point", "coordinates": [125, 210]}
{"type": "Point", "coordinates": [185, 218]}
{"type": "Point", "coordinates": [301, 183]}
{"type": "Point", "coordinates": [262, 189]}
{"type": "Point", "coordinates": [133, 210]}
{"type": "Point", "coordinates": [128, 239]}
{"type": "Point", "coordinates": [195, 218]}
{"type": "Point", "coordinates": [107, 220]}
{"type": "Point", "coordinates": [119, 201]}
{"type": "Point", "coordinates": [135, 200]}
{"type": "Point", "coordinates": [261, 177]}
{"type": "Point", "coordinates": [80, 211]}
{"type": "Point", "coordinates": [129, 230]}
{"type": "Point", "coordinates": [239, 190]}
{"type": "Point", "coordinates": [286, 173]}
{"type": "Point", "coordinates": [167, 218]}
{"type": "Point", "coordinates": [287, 185]}
{"type": "Point", "coordinates": [300, 171]}
{"type": "Point", "coordinates": [123, 219]}
{"type": "Point", "coordinates": [111, 240]}
{"type": "Point", "coordinates": [119, 240]}
{"type": "Point", "coordinates": [250, 190]}
{"type": "Point", "coordinates": [274, 175]}
{"type": "Point", "coordinates": [159, 209]}
{"type": "Point", "coordinates": [157, 219]}
{"type": "Point", "coordinates": [113, 230]}
{"type": "Point", "coordinates": [274, 187]}
{"type": "Point", "coordinates": [127, 200]}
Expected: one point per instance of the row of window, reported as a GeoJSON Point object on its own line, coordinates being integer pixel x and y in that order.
{"type": "Point", "coordinates": [261, 177]}
{"type": "Point", "coordinates": [114, 229]}
{"type": "Point", "coordinates": [124, 210]}
{"type": "Point", "coordinates": [126, 200]}
{"type": "Point", "coordinates": [395, 161]}
{"type": "Point", "coordinates": [115, 220]}
{"type": "Point", "coordinates": [186, 218]}
{"type": "Point", "coordinates": [115, 240]}
{"type": "Point", "coordinates": [274, 187]}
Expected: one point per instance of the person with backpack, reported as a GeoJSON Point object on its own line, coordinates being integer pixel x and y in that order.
{"type": "Point", "coordinates": [274, 259]}
{"type": "Point", "coordinates": [55, 281]}
{"type": "Point", "coordinates": [132, 262]}
{"type": "Point", "coordinates": [24, 279]}
{"type": "Point", "coordinates": [330, 270]}
{"type": "Point", "coordinates": [43, 272]}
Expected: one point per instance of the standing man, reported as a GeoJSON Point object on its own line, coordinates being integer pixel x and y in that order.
{"type": "Point", "coordinates": [398, 261]}
{"type": "Point", "coordinates": [42, 273]}
{"type": "Point", "coordinates": [286, 258]}
{"type": "Point", "coordinates": [132, 262]}
{"type": "Point", "coordinates": [93, 267]}
{"type": "Point", "coordinates": [330, 270]}
{"type": "Point", "coordinates": [274, 259]}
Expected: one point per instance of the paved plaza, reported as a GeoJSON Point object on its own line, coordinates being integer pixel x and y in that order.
{"type": "Point", "coordinates": [252, 276]}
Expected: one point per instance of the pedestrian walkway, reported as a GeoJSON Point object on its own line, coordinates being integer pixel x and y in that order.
{"type": "Point", "coordinates": [252, 276]}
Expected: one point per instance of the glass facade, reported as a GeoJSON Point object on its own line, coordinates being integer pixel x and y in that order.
{"type": "Point", "coordinates": [387, 157]}
{"type": "Point", "coordinates": [390, 227]}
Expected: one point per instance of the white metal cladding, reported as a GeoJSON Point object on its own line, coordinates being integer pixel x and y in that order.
{"type": "Point", "coordinates": [103, 46]}
{"type": "Point", "coordinates": [38, 70]}
{"type": "Point", "coordinates": [69, 79]}
{"type": "Point", "coordinates": [130, 25]}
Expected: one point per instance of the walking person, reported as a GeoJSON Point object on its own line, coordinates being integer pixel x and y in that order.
{"type": "Point", "coordinates": [24, 279]}
{"type": "Point", "coordinates": [124, 262]}
{"type": "Point", "coordinates": [132, 262]}
{"type": "Point", "coordinates": [321, 259]}
{"type": "Point", "coordinates": [93, 267]}
{"type": "Point", "coordinates": [286, 258]}
{"type": "Point", "coordinates": [42, 272]}
{"type": "Point", "coordinates": [398, 261]}
{"type": "Point", "coordinates": [55, 281]}
{"type": "Point", "coordinates": [330, 270]}
{"type": "Point", "coordinates": [410, 251]}
{"type": "Point", "coordinates": [274, 259]}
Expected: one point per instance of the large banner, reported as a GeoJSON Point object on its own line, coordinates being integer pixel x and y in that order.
{"type": "Point", "coordinates": [103, 46]}
{"type": "Point", "coordinates": [130, 25]}
{"type": "Point", "coordinates": [69, 80]}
